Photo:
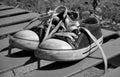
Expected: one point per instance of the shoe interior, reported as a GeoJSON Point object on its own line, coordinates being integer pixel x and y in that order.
{"type": "Point", "coordinates": [90, 20]}
{"type": "Point", "coordinates": [73, 15]}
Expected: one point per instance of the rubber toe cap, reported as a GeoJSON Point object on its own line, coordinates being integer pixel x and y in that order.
{"type": "Point", "coordinates": [55, 44]}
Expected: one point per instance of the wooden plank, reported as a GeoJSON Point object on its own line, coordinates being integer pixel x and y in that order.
{"type": "Point", "coordinates": [4, 43]}
{"type": "Point", "coordinates": [4, 7]}
{"type": "Point", "coordinates": [7, 62]}
{"type": "Point", "coordinates": [113, 73]}
{"type": "Point", "coordinates": [74, 68]}
{"type": "Point", "coordinates": [16, 19]}
{"type": "Point", "coordinates": [17, 27]}
{"type": "Point", "coordinates": [10, 12]}
{"type": "Point", "coordinates": [11, 29]}
{"type": "Point", "coordinates": [115, 61]}
{"type": "Point", "coordinates": [7, 74]}
{"type": "Point", "coordinates": [107, 32]}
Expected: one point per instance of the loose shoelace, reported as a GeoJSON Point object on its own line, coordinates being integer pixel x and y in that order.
{"type": "Point", "coordinates": [101, 50]}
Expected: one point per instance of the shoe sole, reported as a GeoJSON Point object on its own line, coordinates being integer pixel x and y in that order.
{"type": "Point", "coordinates": [68, 54]}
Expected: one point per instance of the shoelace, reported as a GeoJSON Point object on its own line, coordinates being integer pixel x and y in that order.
{"type": "Point", "coordinates": [48, 34]}
{"type": "Point", "coordinates": [101, 49]}
{"type": "Point", "coordinates": [38, 18]}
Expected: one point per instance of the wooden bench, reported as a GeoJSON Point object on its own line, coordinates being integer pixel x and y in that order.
{"type": "Point", "coordinates": [113, 73]}
{"type": "Point", "coordinates": [21, 62]}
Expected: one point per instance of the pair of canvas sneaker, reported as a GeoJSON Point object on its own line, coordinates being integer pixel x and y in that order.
{"type": "Point", "coordinates": [65, 38]}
